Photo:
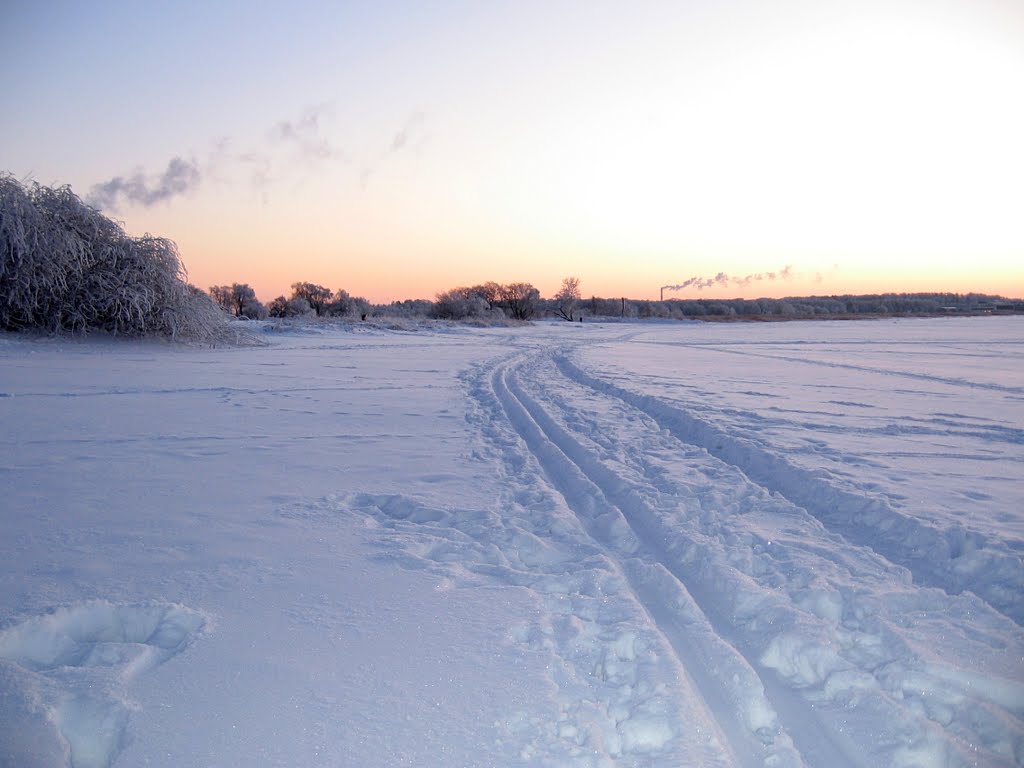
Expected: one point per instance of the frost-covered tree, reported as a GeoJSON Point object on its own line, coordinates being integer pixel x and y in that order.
{"type": "Point", "coordinates": [254, 310]}
{"type": "Point", "coordinates": [343, 303]}
{"type": "Point", "coordinates": [410, 308]}
{"type": "Point", "coordinates": [520, 299]}
{"type": "Point", "coordinates": [238, 299]}
{"type": "Point", "coordinates": [567, 298]}
{"type": "Point", "coordinates": [65, 266]}
{"type": "Point", "coordinates": [278, 307]}
{"type": "Point", "coordinates": [489, 292]}
{"type": "Point", "coordinates": [283, 307]}
{"type": "Point", "coordinates": [316, 296]}
{"type": "Point", "coordinates": [459, 304]}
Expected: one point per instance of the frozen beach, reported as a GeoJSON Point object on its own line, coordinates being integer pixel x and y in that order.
{"type": "Point", "coordinates": [567, 544]}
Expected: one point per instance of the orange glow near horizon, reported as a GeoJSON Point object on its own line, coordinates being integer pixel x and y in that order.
{"type": "Point", "coordinates": [423, 278]}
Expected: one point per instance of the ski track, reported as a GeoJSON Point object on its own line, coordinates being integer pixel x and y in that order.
{"type": "Point", "coordinates": [656, 561]}
{"type": "Point", "coordinates": [723, 349]}
{"type": "Point", "coordinates": [796, 654]}
{"type": "Point", "coordinates": [953, 559]}
{"type": "Point", "coordinates": [734, 693]}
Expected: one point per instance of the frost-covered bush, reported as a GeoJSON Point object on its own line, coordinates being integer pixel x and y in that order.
{"type": "Point", "coordinates": [520, 300]}
{"type": "Point", "coordinates": [66, 267]}
{"type": "Point", "coordinates": [240, 300]}
{"type": "Point", "coordinates": [298, 308]}
{"type": "Point", "coordinates": [407, 308]}
{"type": "Point", "coordinates": [459, 304]}
{"type": "Point", "coordinates": [254, 310]}
{"type": "Point", "coordinates": [316, 296]}
{"type": "Point", "coordinates": [343, 303]}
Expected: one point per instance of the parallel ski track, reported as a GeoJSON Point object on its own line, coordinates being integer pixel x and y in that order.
{"type": "Point", "coordinates": [723, 349]}
{"type": "Point", "coordinates": [861, 518]}
{"type": "Point", "coordinates": [592, 492]}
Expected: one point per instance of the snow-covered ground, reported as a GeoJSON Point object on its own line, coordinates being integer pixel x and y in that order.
{"type": "Point", "coordinates": [566, 544]}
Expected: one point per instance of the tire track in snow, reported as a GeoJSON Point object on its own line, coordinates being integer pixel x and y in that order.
{"type": "Point", "coordinates": [953, 560]}
{"type": "Point", "coordinates": [732, 690]}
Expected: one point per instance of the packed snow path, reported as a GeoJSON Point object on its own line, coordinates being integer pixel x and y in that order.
{"type": "Point", "coordinates": [565, 545]}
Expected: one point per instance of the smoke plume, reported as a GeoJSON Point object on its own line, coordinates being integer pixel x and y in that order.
{"type": "Point", "coordinates": [304, 134]}
{"type": "Point", "coordinates": [181, 177]}
{"type": "Point", "coordinates": [722, 279]}
{"type": "Point", "coordinates": [407, 131]}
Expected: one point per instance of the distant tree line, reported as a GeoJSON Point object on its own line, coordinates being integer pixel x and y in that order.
{"type": "Point", "coordinates": [307, 299]}
{"type": "Point", "coordinates": [804, 306]}
{"type": "Point", "coordinates": [521, 301]}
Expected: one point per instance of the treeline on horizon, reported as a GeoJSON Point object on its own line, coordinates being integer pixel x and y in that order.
{"type": "Point", "coordinates": [495, 302]}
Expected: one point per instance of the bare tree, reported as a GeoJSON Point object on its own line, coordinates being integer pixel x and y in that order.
{"type": "Point", "coordinates": [568, 297]}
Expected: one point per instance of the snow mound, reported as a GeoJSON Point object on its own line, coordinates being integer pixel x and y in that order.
{"type": "Point", "coordinates": [101, 634]}
{"type": "Point", "coordinates": [72, 666]}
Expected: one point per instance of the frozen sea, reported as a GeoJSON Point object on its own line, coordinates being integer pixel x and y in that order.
{"type": "Point", "coordinates": [588, 544]}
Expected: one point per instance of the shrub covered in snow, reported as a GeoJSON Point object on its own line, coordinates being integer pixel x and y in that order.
{"type": "Point", "coordinates": [458, 304]}
{"type": "Point", "coordinates": [66, 267]}
{"type": "Point", "coordinates": [282, 307]}
{"type": "Point", "coordinates": [343, 303]}
{"type": "Point", "coordinates": [519, 301]}
{"type": "Point", "coordinates": [316, 296]}
{"type": "Point", "coordinates": [240, 300]}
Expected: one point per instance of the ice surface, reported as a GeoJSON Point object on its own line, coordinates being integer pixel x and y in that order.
{"type": "Point", "coordinates": [566, 545]}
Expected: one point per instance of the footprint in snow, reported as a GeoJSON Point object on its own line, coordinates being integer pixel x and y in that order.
{"type": "Point", "coordinates": [62, 678]}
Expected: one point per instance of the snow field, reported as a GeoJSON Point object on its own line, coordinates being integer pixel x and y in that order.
{"type": "Point", "coordinates": [562, 545]}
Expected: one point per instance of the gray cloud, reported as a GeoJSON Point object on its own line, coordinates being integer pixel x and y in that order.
{"type": "Point", "coordinates": [182, 176]}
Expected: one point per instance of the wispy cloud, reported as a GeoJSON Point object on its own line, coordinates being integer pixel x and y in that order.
{"type": "Point", "coordinates": [181, 177]}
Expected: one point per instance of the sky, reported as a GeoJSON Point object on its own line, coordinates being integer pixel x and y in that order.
{"type": "Point", "coordinates": [397, 149]}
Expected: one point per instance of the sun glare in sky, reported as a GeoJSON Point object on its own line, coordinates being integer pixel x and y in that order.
{"type": "Point", "coordinates": [397, 151]}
